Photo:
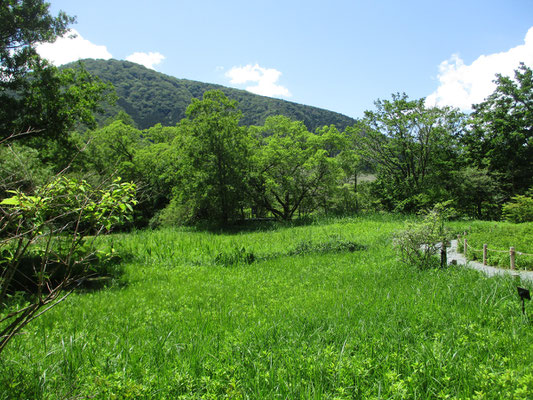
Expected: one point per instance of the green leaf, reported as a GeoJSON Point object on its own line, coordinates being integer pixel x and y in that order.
{"type": "Point", "coordinates": [11, 201]}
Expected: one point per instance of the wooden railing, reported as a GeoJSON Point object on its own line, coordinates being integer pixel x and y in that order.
{"type": "Point", "coordinates": [512, 252]}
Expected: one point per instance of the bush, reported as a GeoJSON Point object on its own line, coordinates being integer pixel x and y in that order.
{"type": "Point", "coordinates": [43, 238]}
{"type": "Point", "coordinates": [519, 209]}
{"type": "Point", "coordinates": [421, 241]}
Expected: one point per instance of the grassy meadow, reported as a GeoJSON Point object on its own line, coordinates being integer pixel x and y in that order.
{"type": "Point", "coordinates": [317, 311]}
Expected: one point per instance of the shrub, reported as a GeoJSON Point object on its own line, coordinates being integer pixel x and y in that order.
{"type": "Point", "coordinates": [420, 241]}
{"type": "Point", "coordinates": [519, 209]}
{"type": "Point", "coordinates": [43, 237]}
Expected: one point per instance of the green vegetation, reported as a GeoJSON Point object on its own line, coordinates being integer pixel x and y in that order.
{"type": "Point", "coordinates": [250, 289]}
{"type": "Point", "coordinates": [44, 248]}
{"type": "Point", "coordinates": [414, 149]}
{"type": "Point", "coordinates": [421, 241]}
{"type": "Point", "coordinates": [151, 97]}
{"type": "Point", "coordinates": [500, 137]}
{"type": "Point", "coordinates": [323, 322]}
{"type": "Point", "coordinates": [519, 209]}
{"type": "Point", "coordinates": [499, 237]}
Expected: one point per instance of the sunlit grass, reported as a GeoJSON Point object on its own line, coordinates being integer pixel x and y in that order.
{"type": "Point", "coordinates": [325, 324]}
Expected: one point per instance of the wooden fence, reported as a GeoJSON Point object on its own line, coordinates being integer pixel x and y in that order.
{"type": "Point", "coordinates": [512, 252]}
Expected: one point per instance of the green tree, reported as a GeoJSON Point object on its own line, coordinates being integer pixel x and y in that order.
{"type": "Point", "coordinates": [500, 137]}
{"type": "Point", "coordinates": [413, 148]}
{"type": "Point", "coordinates": [42, 217]}
{"type": "Point", "coordinates": [476, 193]}
{"type": "Point", "coordinates": [519, 209]}
{"type": "Point", "coordinates": [112, 149]}
{"type": "Point", "coordinates": [352, 164]}
{"type": "Point", "coordinates": [292, 167]}
{"type": "Point", "coordinates": [23, 23]}
{"type": "Point", "coordinates": [35, 97]}
{"type": "Point", "coordinates": [213, 151]}
{"type": "Point", "coordinates": [144, 157]}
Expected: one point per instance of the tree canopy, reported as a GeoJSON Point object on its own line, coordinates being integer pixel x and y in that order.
{"type": "Point", "coordinates": [500, 137]}
{"type": "Point", "coordinates": [413, 147]}
{"type": "Point", "coordinates": [35, 97]}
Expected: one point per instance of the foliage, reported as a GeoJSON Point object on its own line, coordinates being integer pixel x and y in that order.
{"type": "Point", "coordinates": [292, 167]}
{"type": "Point", "coordinates": [519, 209]}
{"type": "Point", "coordinates": [112, 149]}
{"type": "Point", "coordinates": [151, 97]}
{"type": "Point", "coordinates": [52, 224]}
{"type": "Point", "coordinates": [476, 193]}
{"type": "Point", "coordinates": [500, 136]}
{"type": "Point", "coordinates": [50, 102]}
{"type": "Point", "coordinates": [333, 244]}
{"type": "Point", "coordinates": [21, 168]}
{"type": "Point", "coordinates": [414, 149]}
{"type": "Point", "coordinates": [38, 103]}
{"type": "Point", "coordinates": [420, 241]}
{"type": "Point", "coordinates": [23, 24]}
{"type": "Point", "coordinates": [319, 325]}
{"type": "Point", "coordinates": [213, 151]}
{"type": "Point", "coordinates": [235, 256]}
{"type": "Point", "coordinates": [499, 238]}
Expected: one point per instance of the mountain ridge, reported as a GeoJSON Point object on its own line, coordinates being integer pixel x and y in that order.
{"type": "Point", "coordinates": [151, 97]}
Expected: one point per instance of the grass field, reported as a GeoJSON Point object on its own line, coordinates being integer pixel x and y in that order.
{"type": "Point", "coordinates": [321, 311]}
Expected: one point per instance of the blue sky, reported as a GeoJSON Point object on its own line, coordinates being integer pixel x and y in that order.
{"type": "Point", "coordinates": [337, 55]}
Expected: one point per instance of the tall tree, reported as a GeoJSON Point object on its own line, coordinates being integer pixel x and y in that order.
{"type": "Point", "coordinates": [413, 148]}
{"type": "Point", "coordinates": [500, 137]}
{"type": "Point", "coordinates": [214, 153]}
{"type": "Point", "coordinates": [291, 166]}
{"type": "Point", "coordinates": [23, 23]}
{"type": "Point", "coordinates": [35, 97]}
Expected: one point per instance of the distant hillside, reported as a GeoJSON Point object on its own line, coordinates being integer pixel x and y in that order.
{"type": "Point", "coordinates": [151, 97]}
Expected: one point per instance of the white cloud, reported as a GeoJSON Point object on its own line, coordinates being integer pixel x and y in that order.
{"type": "Point", "coordinates": [462, 85]}
{"type": "Point", "coordinates": [149, 60]}
{"type": "Point", "coordinates": [71, 47]}
{"type": "Point", "coordinates": [265, 80]}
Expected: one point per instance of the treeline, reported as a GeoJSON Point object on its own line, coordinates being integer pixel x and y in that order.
{"type": "Point", "coordinates": [213, 165]}
{"type": "Point", "coordinates": [209, 167]}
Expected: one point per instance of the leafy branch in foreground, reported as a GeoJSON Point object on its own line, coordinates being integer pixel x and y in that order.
{"type": "Point", "coordinates": [47, 243]}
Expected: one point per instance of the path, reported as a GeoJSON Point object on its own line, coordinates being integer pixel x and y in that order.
{"type": "Point", "coordinates": [452, 254]}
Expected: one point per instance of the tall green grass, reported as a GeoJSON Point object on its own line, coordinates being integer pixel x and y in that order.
{"type": "Point", "coordinates": [324, 322]}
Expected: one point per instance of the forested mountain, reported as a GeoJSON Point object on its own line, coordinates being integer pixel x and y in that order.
{"type": "Point", "coordinates": [151, 97]}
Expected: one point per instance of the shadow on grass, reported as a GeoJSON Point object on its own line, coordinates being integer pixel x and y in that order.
{"type": "Point", "coordinates": [334, 244]}
{"type": "Point", "coordinates": [98, 271]}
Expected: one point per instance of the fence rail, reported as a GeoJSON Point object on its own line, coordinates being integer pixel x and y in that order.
{"type": "Point", "coordinates": [512, 252]}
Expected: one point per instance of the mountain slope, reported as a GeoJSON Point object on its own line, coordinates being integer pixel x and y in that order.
{"type": "Point", "coordinates": [151, 97]}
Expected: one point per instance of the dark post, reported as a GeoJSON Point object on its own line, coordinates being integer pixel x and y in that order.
{"type": "Point", "coordinates": [443, 255]}
{"type": "Point", "coordinates": [524, 294]}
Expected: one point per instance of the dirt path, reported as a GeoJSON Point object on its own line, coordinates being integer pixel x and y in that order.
{"type": "Point", "coordinates": [452, 254]}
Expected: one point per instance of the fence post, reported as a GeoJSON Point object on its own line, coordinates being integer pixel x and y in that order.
{"type": "Point", "coordinates": [443, 255]}
{"type": "Point", "coordinates": [512, 257]}
{"type": "Point", "coordinates": [484, 254]}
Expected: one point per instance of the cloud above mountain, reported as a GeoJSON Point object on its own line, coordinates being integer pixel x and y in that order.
{"type": "Point", "coordinates": [264, 81]}
{"type": "Point", "coordinates": [73, 46]}
{"type": "Point", "coordinates": [149, 60]}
